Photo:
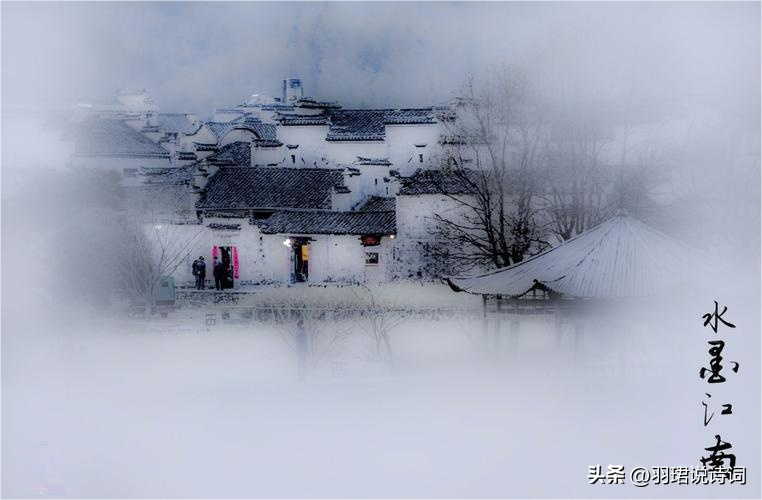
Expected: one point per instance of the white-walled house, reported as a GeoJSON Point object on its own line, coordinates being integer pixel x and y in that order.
{"type": "Point", "coordinates": [211, 137]}
{"type": "Point", "coordinates": [408, 138]}
{"type": "Point", "coordinates": [273, 225]}
{"type": "Point", "coordinates": [298, 191]}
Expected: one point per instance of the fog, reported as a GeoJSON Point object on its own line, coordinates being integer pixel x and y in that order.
{"type": "Point", "coordinates": [100, 404]}
{"type": "Point", "coordinates": [668, 57]}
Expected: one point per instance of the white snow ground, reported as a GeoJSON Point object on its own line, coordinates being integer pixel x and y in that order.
{"type": "Point", "coordinates": [99, 408]}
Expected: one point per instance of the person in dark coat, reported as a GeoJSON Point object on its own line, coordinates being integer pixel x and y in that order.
{"type": "Point", "coordinates": [199, 271]}
{"type": "Point", "coordinates": [219, 274]}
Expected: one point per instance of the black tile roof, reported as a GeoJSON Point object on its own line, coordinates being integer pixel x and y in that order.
{"type": "Point", "coordinates": [372, 161]}
{"type": "Point", "coordinates": [186, 155]}
{"type": "Point", "coordinates": [235, 153]}
{"type": "Point", "coordinates": [361, 124]}
{"type": "Point", "coordinates": [263, 131]}
{"type": "Point", "coordinates": [326, 222]}
{"type": "Point", "coordinates": [309, 103]}
{"type": "Point", "coordinates": [240, 214]}
{"type": "Point", "coordinates": [235, 188]}
{"type": "Point", "coordinates": [357, 125]}
{"type": "Point", "coordinates": [102, 137]}
{"type": "Point", "coordinates": [229, 227]}
{"type": "Point", "coordinates": [304, 120]}
{"type": "Point", "coordinates": [176, 175]}
{"type": "Point", "coordinates": [205, 147]}
{"type": "Point", "coordinates": [377, 204]}
{"type": "Point", "coordinates": [425, 181]}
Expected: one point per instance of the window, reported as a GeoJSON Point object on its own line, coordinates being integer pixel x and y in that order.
{"type": "Point", "coordinates": [293, 158]}
{"type": "Point", "coordinates": [376, 179]}
{"type": "Point", "coordinates": [420, 158]}
{"type": "Point", "coordinates": [371, 258]}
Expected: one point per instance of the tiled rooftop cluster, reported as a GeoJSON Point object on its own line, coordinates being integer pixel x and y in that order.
{"type": "Point", "coordinates": [270, 188]}
{"type": "Point", "coordinates": [360, 124]}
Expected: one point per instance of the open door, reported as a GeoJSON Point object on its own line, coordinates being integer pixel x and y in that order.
{"type": "Point", "coordinates": [300, 259]}
{"type": "Point", "coordinates": [229, 257]}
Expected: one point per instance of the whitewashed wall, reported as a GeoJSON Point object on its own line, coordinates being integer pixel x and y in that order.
{"type": "Point", "coordinates": [311, 140]}
{"type": "Point", "coordinates": [202, 136]}
{"type": "Point", "coordinates": [236, 135]}
{"type": "Point", "coordinates": [348, 151]}
{"type": "Point", "coordinates": [401, 145]}
{"type": "Point", "coordinates": [416, 234]}
{"type": "Point", "coordinates": [269, 156]}
{"type": "Point", "coordinates": [263, 258]}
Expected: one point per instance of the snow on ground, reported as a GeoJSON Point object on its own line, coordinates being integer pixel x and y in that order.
{"type": "Point", "coordinates": [101, 407]}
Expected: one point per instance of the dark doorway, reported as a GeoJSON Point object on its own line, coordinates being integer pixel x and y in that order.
{"type": "Point", "coordinates": [301, 257]}
{"type": "Point", "coordinates": [226, 255]}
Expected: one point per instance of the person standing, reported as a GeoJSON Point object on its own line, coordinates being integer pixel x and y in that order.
{"type": "Point", "coordinates": [194, 271]}
{"type": "Point", "coordinates": [199, 271]}
{"type": "Point", "coordinates": [219, 274]}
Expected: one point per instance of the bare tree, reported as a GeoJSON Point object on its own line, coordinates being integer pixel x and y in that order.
{"type": "Point", "coordinates": [574, 176]}
{"type": "Point", "coordinates": [584, 183]}
{"type": "Point", "coordinates": [308, 330]}
{"type": "Point", "coordinates": [489, 170]}
{"type": "Point", "coordinates": [146, 250]}
{"type": "Point", "coordinates": [379, 321]}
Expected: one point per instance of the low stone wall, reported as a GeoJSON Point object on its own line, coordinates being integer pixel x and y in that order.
{"type": "Point", "coordinates": [206, 297]}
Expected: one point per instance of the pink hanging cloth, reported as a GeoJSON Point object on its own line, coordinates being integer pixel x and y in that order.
{"type": "Point", "coordinates": [215, 252]}
{"type": "Point", "coordinates": [235, 262]}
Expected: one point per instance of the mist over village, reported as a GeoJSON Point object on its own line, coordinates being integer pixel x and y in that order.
{"type": "Point", "coordinates": [380, 250]}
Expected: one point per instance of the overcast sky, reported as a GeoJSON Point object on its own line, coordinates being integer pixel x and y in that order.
{"type": "Point", "coordinates": [195, 56]}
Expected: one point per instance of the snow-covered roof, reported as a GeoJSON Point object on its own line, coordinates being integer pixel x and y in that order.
{"type": "Point", "coordinates": [235, 153]}
{"type": "Point", "coordinates": [620, 258]}
{"type": "Point", "coordinates": [263, 131]}
{"type": "Point", "coordinates": [430, 181]}
{"type": "Point", "coordinates": [310, 103]}
{"type": "Point", "coordinates": [235, 188]}
{"type": "Point", "coordinates": [104, 137]}
{"type": "Point", "coordinates": [360, 124]}
{"type": "Point", "coordinates": [168, 175]}
{"type": "Point", "coordinates": [372, 161]}
{"type": "Point", "coordinates": [377, 204]}
{"type": "Point", "coordinates": [328, 222]}
{"type": "Point", "coordinates": [176, 123]}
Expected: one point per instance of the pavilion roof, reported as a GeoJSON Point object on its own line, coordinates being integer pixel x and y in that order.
{"type": "Point", "coordinates": [620, 258]}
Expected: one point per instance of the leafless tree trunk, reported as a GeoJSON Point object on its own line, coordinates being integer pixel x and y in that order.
{"type": "Point", "coordinates": [575, 179]}
{"type": "Point", "coordinates": [309, 331]}
{"type": "Point", "coordinates": [148, 249]}
{"type": "Point", "coordinates": [492, 155]}
{"type": "Point", "coordinates": [381, 321]}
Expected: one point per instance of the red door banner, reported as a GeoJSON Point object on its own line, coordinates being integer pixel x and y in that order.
{"type": "Point", "coordinates": [235, 262]}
